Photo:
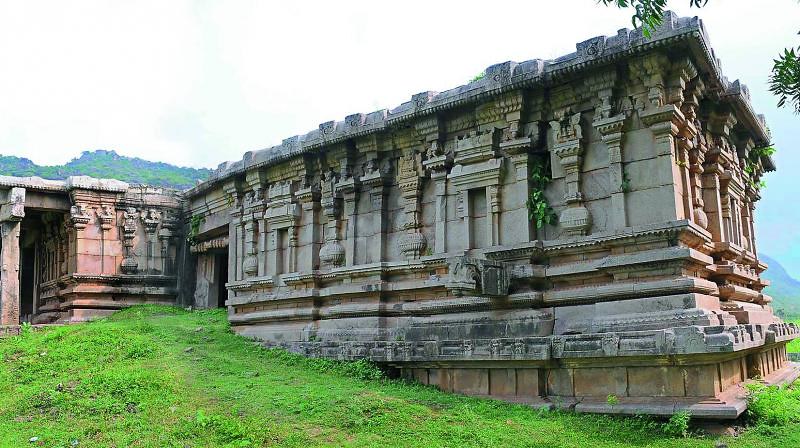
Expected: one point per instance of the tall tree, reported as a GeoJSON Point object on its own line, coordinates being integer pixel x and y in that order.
{"type": "Point", "coordinates": [784, 82]}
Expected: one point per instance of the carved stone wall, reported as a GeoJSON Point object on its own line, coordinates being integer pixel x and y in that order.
{"type": "Point", "coordinates": [405, 236]}
{"type": "Point", "coordinates": [409, 236]}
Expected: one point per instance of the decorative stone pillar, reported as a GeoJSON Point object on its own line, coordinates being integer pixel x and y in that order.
{"type": "Point", "coordinates": [412, 245]}
{"type": "Point", "coordinates": [150, 219]}
{"type": "Point", "coordinates": [696, 160]}
{"type": "Point", "coordinates": [11, 213]}
{"type": "Point", "coordinates": [331, 254]}
{"type": "Point", "coordinates": [129, 264]}
{"type": "Point", "coordinates": [63, 254]}
{"type": "Point", "coordinates": [79, 218]}
{"type": "Point", "coordinates": [575, 219]}
{"type": "Point", "coordinates": [166, 236]}
{"type": "Point", "coordinates": [251, 236]}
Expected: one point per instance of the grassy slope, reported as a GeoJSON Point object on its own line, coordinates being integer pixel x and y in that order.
{"type": "Point", "coordinates": [165, 377]}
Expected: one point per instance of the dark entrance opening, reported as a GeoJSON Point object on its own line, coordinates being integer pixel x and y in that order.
{"type": "Point", "coordinates": [30, 245]}
{"type": "Point", "coordinates": [27, 282]}
{"type": "Point", "coordinates": [221, 277]}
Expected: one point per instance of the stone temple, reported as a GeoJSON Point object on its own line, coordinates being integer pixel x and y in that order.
{"type": "Point", "coordinates": [576, 231]}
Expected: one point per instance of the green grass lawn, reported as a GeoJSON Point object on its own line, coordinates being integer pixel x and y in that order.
{"type": "Point", "coordinates": [164, 377]}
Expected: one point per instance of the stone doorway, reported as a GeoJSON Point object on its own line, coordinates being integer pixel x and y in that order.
{"type": "Point", "coordinates": [28, 285]}
{"type": "Point", "coordinates": [220, 278]}
{"type": "Point", "coordinates": [211, 272]}
{"type": "Point", "coordinates": [30, 241]}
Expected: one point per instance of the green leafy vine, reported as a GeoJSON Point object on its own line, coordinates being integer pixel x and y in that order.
{"type": "Point", "coordinates": [539, 210]}
{"type": "Point", "coordinates": [194, 228]}
{"type": "Point", "coordinates": [751, 164]}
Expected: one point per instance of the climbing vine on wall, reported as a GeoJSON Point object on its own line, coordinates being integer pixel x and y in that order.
{"type": "Point", "coordinates": [751, 163]}
{"type": "Point", "coordinates": [539, 210]}
{"type": "Point", "coordinates": [194, 228]}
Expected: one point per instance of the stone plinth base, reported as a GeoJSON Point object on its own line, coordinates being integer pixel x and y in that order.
{"type": "Point", "coordinates": [706, 387]}
{"type": "Point", "coordinates": [82, 298]}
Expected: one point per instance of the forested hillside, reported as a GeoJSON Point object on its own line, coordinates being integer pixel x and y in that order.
{"type": "Point", "coordinates": [108, 164]}
{"type": "Point", "coordinates": [784, 289]}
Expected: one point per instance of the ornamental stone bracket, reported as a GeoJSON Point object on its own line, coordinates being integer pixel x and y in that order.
{"type": "Point", "coordinates": [150, 219]}
{"type": "Point", "coordinates": [105, 215]}
{"type": "Point", "coordinates": [472, 276]}
{"type": "Point", "coordinates": [79, 216]}
{"type": "Point", "coordinates": [575, 219]}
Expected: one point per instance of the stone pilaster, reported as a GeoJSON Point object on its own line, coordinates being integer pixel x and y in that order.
{"type": "Point", "coordinates": [308, 198]}
{"type": "Point", "coordinates": [150, 219]}
{"type": "Point", "coordinates": [413, 243]}
{"type": "Point", "coordinates": [332, 253]}
{"type": "Point", "coordinates": [349, 188]}
{"type": "Point", "coordinates": [665, 122]}
{"type": "Point", "coordinates": [235, 243]}
{"type": "Point", "coordinates": [166, 237]}
{"type": "Point", "coordinates": [376, 182]}
{"type": "Point", "coordinates": [255, 226]}
{"type": "Point", "coordinates": [251, 230]}
{"type": "Point", "coordinates": [611, 131]}
{"type": "Point", "coordinates": [437, 163]}
{"type": "Point", "coordinates": [129, 264]}
{"type": "Point", "coordinates": [575, 219]}
{"type": "Point", "coordinates": [11, 213]}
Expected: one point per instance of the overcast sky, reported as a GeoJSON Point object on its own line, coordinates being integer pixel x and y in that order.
{"type": "Point", "coordinates": [197, 82]}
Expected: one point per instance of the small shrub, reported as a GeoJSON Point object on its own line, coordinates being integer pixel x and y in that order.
{"type": "Point", "coordinates": [612, 400]}
{"type": "Point", "coordinates": [678, 424]}
{"type": "Point", "coordinates": [773, 405]}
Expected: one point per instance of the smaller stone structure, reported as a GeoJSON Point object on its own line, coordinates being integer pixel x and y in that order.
{"type": "Point", "coordinates": [85, 247]}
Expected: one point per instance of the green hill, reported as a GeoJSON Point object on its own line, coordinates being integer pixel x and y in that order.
{"type": "Point", "coordinates": [108, 164]}
{"type": "Point", "coordinates": [165, 377]}
{"type": "Point", "coordinates": [784, 289]}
